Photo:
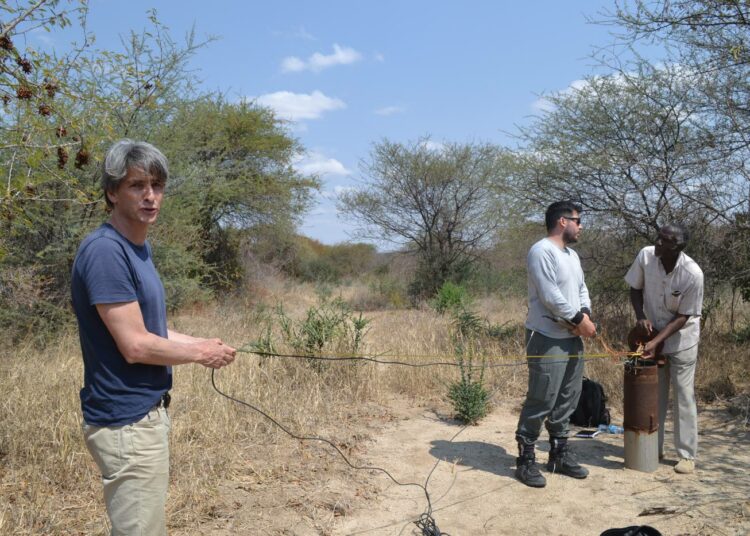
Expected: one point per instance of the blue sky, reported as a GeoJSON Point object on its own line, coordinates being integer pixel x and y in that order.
{"type": "Point", "coordinates": [349, 73]}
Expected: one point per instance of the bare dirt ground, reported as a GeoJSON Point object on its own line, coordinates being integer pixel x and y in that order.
{"type": "Point", "coordinates": [306, 489]}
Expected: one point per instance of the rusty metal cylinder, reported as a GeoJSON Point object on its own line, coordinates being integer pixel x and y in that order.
{"type": "Point", "coordinates": [641, 419]}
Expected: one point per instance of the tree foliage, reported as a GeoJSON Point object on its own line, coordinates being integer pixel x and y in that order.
{"type": "Point", "coordinates": [231, 164]}
{"type": "Point", "coordinates": [656, 141]}
{"type": "Point", "coordinates": [233, 171]}
{"type": "Point", "coordinates": [710, 39]}
{"type": "Point", "coordinates": [632, 147]}
{"type": "Point", "coordinates": [437, 203]}
{"type": "Point", "coordinates": [637, 151]}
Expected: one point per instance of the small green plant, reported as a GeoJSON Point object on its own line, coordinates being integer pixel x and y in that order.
{"type": "Point", "coordinates": [470, 400]}
{"type": "Point", "coordinates": [450, 297]}
{"type": "Point", "coordinates": [264, 342]}
{"type": "Point", "coordinates": [329, 327]}
{"type": "Point", "coordinates": [360, 329]}
{"type": "Point", "coordinates": [469, 397]}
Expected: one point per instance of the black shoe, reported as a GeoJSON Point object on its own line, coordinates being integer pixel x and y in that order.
{"type": "Point", "coordinates": [563, 461]}
{"type": "Point", "coordinates": [527, 471]}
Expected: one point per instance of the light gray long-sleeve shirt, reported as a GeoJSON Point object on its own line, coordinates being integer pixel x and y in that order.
{"type": "Point", "coordinates": [556, 288]}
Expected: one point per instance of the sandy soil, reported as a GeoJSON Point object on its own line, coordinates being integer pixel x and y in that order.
{"type": "Point", "coordinates": [472, 488]}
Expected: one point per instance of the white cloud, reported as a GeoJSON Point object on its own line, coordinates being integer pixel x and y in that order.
{"type": "Point", "coordinates": [378, 57]}
{"type": "Point", "coordinates": [299, 33]}
{"type": "Point", "coordinates": [390, 110]}
{"type": "Point", "coordinates": [333, 195]}
{"type": "Point", "coordinates": [315, 163]}
{"type": "Point", "coordinates": [42, 36]}
{"type": "Point", "coordinates": [338, 190]}
{"type": "Point", "coordinates": [317, 62]}
{"type": "Point", "coordinates": [433, 145]}
{"type": "Point", "coordinates": [542, 104]}
{"type": "Point", "coordinates": [292, 64]}
{"type": "Point", "coordinates": [302, 33]}
{"type": "Point", "coordinates": [300, 106]}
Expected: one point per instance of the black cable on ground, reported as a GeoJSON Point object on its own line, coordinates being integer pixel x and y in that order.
{"type": "Point", "coordinates": [401, 363]}
{"type": "Point", "coordinates": [425, 522]}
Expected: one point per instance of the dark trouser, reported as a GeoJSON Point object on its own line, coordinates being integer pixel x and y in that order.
{"type": "Point", "coordinates": [554, 386]}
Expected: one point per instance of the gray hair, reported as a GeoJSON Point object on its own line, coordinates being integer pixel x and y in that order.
{"type": "Point", "coordinates": [126, 154]}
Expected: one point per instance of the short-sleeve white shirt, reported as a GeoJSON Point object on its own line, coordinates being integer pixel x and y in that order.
{"type": "Point", "coordinates": [668, 294]}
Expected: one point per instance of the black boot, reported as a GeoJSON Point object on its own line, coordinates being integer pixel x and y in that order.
{"type": "Point", "coordinates": [527, 471]}
{"type": "Point", "coordinates": [563, 461]}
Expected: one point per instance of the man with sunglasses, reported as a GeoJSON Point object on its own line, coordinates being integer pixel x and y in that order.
{"type": "Point", "coordinates": [666, 291]}
{"type": "Point", "coordinates": [559, 315]}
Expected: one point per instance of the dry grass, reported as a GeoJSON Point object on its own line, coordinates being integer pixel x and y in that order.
{"type": "Point", "coordinates": [50, 485]}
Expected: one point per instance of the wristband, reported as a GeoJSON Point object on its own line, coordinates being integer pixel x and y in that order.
{"type": "Point", "coordinates": [577, 319]}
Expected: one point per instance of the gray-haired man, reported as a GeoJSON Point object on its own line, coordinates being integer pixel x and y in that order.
{"type": "Point", "coordinates": [128, 351]}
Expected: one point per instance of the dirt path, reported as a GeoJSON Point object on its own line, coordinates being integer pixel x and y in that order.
{"type": "Point", "coordinates": [472, 486]}
{"type": "Point", "coordinates": [473, 490]}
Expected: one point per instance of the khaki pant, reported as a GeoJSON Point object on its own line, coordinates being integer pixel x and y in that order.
{"type": "Point", "coordinates": [680, 373]}
{"type": "Point", "coordinates": [134, 462]}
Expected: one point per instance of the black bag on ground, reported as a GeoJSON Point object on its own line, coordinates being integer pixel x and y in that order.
{"type": "Point", "coordinates": [643, 530]}
{"type": "Point", "coordinates": [591, 409]}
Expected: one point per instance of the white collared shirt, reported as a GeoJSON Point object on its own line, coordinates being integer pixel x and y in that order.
{"type": "Point", "coordinates": [668, 294]}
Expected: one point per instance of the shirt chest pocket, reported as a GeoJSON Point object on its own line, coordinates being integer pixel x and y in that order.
{"type": "Point", "coordinates": [672, 299]}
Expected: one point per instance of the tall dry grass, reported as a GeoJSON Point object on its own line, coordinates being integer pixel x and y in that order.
{"type": "Point", "coordinates": [50, 485]}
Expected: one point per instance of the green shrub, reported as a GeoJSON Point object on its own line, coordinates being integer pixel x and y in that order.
{"type": "Point", "coordinates": [450, 297]}
{"type": "Point", "coordinates": [329, 327]}
{"type": "Point", "coordinates": [470, 400]}
{"type": "Point", "coordinates": [391, 289]}
{"type": "Point", "coordinates": [468, 395]}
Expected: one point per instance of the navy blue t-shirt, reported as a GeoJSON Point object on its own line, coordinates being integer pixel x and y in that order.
{"type": "Point", "coordinates": [108, 268]}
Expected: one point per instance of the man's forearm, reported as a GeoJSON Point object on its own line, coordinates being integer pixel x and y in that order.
{"type": "Point", "coordinates": [673, 327]}
{"type": "Point", "coordinates": [636, 300]}
{"type": "Point", "coordinates": [150, 349]}
{"type": "Point", "coordinates": [181, 337]}
{"type": "Point", "coordinates": [555, 303]}
{"type": "Point", "coordinates": [137, 345]}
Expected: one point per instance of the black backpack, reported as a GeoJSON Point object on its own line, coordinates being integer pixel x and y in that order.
{"type": "Point", "coordinates": [591, 410]}
{"type": "Point", "coordinates": [643, 530]}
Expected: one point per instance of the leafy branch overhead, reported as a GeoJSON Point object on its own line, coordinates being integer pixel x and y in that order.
{"type": "Point", "coordinates": [231, 164]}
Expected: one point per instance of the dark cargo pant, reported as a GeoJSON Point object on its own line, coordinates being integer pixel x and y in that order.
{"type": "Point", "coordinates": [554, 386]}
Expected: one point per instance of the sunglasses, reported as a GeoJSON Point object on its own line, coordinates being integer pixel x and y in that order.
{"type": "Point", "coordinates": [577, 220]}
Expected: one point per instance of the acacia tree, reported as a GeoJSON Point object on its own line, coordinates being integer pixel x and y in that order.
{"type": "Point", "coordinates": [637, 152]}
{"type": "Point", "coordinates": [709, 38]}
{"type": "Point", "coordinates": [232, 172]}
{"type": "Point", "coordinates": [61, 111]}
{"type": "Point", "coordinates": [437, 203]}
{"type": "Point", "coordinates": [709, 42]}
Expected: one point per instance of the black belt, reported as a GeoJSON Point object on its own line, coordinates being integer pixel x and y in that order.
{"type": "Point", "coordinates": [163, 401]}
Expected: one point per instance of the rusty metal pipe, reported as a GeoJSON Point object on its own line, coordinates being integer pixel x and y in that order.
{"type": "Point", "coordinates": [641, 419]}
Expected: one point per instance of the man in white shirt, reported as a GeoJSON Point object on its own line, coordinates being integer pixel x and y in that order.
{"type": "Point", "coordinates": [666, 291]}
{"type": "Point", "coordinates": [559, 310]}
